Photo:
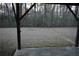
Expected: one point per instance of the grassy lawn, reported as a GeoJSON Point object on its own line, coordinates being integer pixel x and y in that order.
{"type": "Point", "coordinates": [36, 37]}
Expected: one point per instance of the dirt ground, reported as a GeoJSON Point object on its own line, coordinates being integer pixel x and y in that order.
{"type": "Point", "coordinates": [36, 37]}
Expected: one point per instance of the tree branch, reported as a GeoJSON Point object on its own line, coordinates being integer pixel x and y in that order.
{"type": "Point", "coordinates": [27, 11]}
{"type": "Point", "coordinates": [72, 13]}
{"type": "Point", "coordinates": [14, 10]}
{"type": "Point", "coordinates": [76, 10]}
{"type": "Point", "coordinates": [7, 8]}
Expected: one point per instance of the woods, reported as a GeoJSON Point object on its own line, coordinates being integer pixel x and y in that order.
{"type": "Point", "coordinates": [41, 15]}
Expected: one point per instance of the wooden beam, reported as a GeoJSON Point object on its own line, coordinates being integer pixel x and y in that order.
{"type": "Point", "coordinates": [27, 11]}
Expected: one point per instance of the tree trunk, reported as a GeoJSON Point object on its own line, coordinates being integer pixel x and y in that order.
{"type": "Point", "coordinates": [77, 36]}
{"type": "Point", "coordinates": [18, 24]}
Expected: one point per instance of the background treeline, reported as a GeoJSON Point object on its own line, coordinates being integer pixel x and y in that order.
{"type": "Point", "coordinates": [41, 15]}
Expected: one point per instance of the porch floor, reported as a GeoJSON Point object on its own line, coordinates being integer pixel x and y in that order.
{"type": "Point", "coordinates": [55, 51]}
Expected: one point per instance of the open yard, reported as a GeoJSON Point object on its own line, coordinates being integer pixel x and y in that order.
{"type": "Point", "coordinates": [36, 37]}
